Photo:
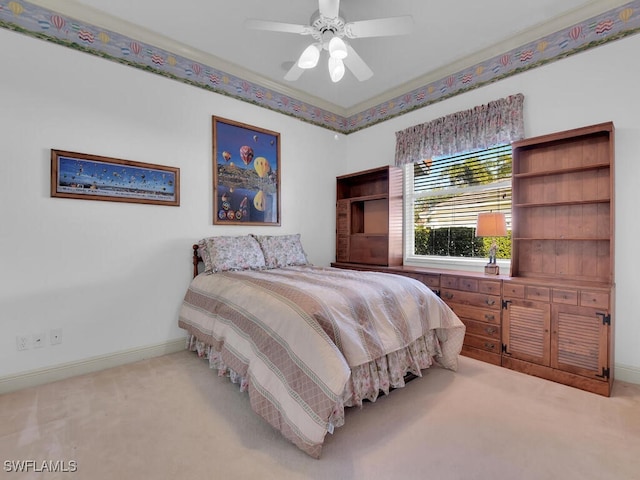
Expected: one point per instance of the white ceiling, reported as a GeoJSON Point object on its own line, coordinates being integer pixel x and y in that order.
{"type": "Point", "coordinates": [448, 35]}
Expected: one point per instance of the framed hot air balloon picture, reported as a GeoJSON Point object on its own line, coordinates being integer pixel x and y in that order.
{"type": "Point", "coordinates": [246, 174]}
{"type": "Point", "coordinates": [92, 177]}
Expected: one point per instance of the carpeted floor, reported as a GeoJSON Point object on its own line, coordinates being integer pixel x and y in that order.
{"type": "Point", "coordinates": [171, 417]}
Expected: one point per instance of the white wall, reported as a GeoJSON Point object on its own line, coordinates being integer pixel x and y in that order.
{"type": "Point", "coordinates": [112, 275]}
{"type": "Point", "coordinates": [595, 86]}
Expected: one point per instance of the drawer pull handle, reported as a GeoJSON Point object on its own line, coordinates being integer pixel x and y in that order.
{"type": "Point", "coordinates": [489, 317]}
{"type": "Point", "coordinates": [448, 295]}
{"type": "Point", "coordinates": [488, 301]}
{"type": "Point", "coordinates": [489, 345]}
{"type": "Point", "coordinates": [490, 330]}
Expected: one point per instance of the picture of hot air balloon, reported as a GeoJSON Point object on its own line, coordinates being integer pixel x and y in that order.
{"type": "Point", "coordinates": [92, 177]}
{"type": "Point", "coordinates": [249, 189]}
{"type": "Point", "coordinates": [16, 8]}
{"type": "Point", "coordinates": [246, 154]}
{"type": "Point", "coordinates": [58, 22]}
{"type": "Point", "coordinates": [258, 201]}
{"type": "Point", "coordinates": [262, 167]}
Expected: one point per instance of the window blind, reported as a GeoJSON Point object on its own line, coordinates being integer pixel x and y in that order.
{"type": "Point", "coordinates": [451, 191]}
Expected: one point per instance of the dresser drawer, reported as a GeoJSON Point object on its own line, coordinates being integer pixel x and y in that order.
{"type": "Point", "coordinates": [541, 294]}
{"type": "Point", "coordinates": [568, 297]}
{"type": "Point", "coordinates": [468, 284]}
{"type": "Point", "coordinates": [594, 299]}
{"type": "Point", "coordinates": [449, 282]}
{"type": "Point", "coordinates": [472, 312]}
{"type": "Point", "coordinates": [482, 329]}
{"type": "Point", "coordinates": [513, 290]}
{"type": "Point", "coordinates": [470, 298]}
{"type": "Point", "coordinates": [490, 287]}
{"type": "Point", "coordinates": [430, 280]}
{"type": "Point", "coordinates": [488, 344]}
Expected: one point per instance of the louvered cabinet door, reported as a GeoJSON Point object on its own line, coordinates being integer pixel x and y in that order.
{"type": "Point", "coordinates": [580, 339]}
{"type": "Point", "coordinates": [526, 332]}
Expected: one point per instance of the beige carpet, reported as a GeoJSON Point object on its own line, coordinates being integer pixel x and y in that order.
{"type": "Point", "coordinates": [172, 418]}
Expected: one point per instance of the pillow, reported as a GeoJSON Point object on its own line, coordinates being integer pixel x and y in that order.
{"type": "Point", "coordinates": [230, 253]}
{"type": "Point", "coordinates": [282, 250]}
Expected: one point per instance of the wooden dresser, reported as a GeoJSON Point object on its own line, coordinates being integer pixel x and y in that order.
{"type": "Point", "coordinates": [552, 317]}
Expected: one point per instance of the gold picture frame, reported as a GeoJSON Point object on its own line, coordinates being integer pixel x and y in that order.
{"type": "Point", "coordinates": [246, 174]}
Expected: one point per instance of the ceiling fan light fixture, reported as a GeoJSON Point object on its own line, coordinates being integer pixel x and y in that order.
{"type": "Point", "coordinates": [337, 48]}
{"type": "Point", "coordinates": [310, 57]}
{"type": "Point", "coordinates": [336, 69]}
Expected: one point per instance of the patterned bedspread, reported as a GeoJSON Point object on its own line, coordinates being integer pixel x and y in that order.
{"type": "Point", "coordinates": [295, 333]}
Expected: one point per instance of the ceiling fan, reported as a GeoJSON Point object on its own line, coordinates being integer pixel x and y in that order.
{"type": "Point", "coordinates": [329, 29]}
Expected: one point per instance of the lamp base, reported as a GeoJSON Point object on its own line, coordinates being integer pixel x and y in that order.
{"type": "Point", "coordinates": [491, 269]}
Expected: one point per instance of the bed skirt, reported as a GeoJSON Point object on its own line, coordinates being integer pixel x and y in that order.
{"type": "Point", "coordinates": [366, 382]}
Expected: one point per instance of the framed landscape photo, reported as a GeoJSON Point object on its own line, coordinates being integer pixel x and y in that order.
{"type": "Point", "coordinates": [246, 174]}
{"type": "Point", "coordinates": [92, 177]}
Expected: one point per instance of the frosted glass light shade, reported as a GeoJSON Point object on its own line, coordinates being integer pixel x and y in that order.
{"type": "Point", "coordinates": [337, 48]}
{"type": "Point", "coordinates": [336, 69]}
{"type": "Point", "coordinates": [309, 57]}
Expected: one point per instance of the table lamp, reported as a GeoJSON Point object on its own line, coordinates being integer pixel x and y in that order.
{"type": "Point", "coordinates": [491, 225]}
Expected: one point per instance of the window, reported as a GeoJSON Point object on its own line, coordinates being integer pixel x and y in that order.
{"type": "Point", "coordinates": [443, 197]}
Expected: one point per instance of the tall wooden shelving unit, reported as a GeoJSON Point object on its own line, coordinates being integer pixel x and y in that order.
{"type": "Point", "coordinates": [558, 302]}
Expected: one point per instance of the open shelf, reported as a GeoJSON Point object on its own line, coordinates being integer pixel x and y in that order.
{"type": "Point", "coordinates": [567, 239]}
{"type": "Point", "coordinates": [558, 204]}
{"type": "Point", "coordinates": [369, 217]}
{"type": "Point", "coordinates": [543, 173]}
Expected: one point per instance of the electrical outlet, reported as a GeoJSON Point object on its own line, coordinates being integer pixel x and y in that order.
{"type": "Point", "coordinates": [55, 336]}
{"type": "Point", "coordinates": [23, 342]}
{"type": "Point", "coordinates": [38, 339]}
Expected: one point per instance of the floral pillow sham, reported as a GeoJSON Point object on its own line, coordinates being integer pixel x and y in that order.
{"type": "Point", "coordinates": [282, 250]}
{"type": "Point", "coordinates": [224, 253]}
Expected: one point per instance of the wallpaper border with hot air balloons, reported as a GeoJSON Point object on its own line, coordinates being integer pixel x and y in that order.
{"type": "Point", "coordinates": [246, 174]}
{"type": "Point", "coordinates": [39, 22]}
{"type": "Point", "coordinates": [93, 177]}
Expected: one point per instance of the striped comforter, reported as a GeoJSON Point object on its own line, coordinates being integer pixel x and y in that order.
{"type": "Point", "coordinates": [295, 333]}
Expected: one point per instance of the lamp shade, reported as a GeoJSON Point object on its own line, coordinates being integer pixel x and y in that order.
{"type": "Point", "coordinates": [491, 225]}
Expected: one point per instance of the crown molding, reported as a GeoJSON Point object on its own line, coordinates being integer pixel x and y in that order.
{"type": "Point", "coordinates": [572, 17]}
{"type": "Point", "coordinates": [98, 18]}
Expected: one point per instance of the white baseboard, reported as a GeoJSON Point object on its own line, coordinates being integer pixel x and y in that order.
{"type": "Point", "coordinates": [33, 378]}
{"type": "Point", "coordinates": [626, 373]}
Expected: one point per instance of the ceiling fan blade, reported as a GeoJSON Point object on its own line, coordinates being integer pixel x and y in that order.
{"type": "Point", "coordinates": [294, 73]}
{"type": "Point", "coordinates": [277, 26]}
{"type": "Point", "coordinates": [329, 8]}
{"type": "Point", "coordinates": [354, 62]}
{"type": "Point", "coordinates": [382, 27]}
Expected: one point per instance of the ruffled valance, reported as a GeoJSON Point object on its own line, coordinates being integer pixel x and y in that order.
{"type": "Point", "coordinates": [479, 128]}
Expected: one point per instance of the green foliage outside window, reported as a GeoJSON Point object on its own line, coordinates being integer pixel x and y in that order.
{"type": "Point", "coordinates": [458, 242]}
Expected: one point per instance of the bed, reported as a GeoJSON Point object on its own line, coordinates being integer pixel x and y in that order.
{"type": "Point", "coordinates": [306, 341]}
